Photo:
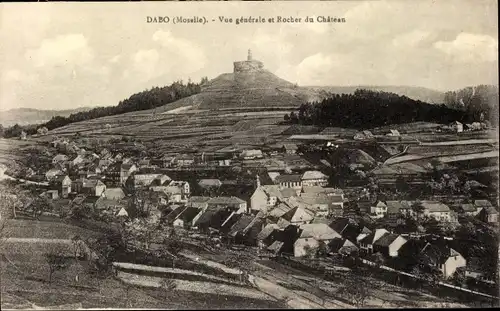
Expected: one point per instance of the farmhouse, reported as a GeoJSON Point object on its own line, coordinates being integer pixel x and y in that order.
{"type": "Point", "coordinates": [314, 178]}
{"type": "Point", "coordinates": [93, 187]}
{"type": "Point", "coordinates": [62, 183]}
{"type": "Point", "coordinates": [235, 204]}
{"type": "Point", "coordinates": [184, 160]}
{"type": "Point", "coordinates": [457, 127]}
{"type": "Point", "coordinates": [489, 214]}
{"type": "Point", "coordinates": [52, 173]}
{"type": "Point", "coordinates": [251, 154]}
{"type": "Point", "coordinates": [444, 258]}
{"type": "Point", "coordinates": [342, 247]}
{"type": "Point", "coordinates": [367, 242]}
{"type": "Point", "coordinates": [295, 216]}
{"type": "Point", "coordinates": [379, 210]}
{"type": "Point", "coordinates": [389, 244]}
{"type": "Point", "coordinates": [290, 148]}
{"type": "Point", "coordinates": [311, 235]}
{"type": "Point", "coordinates": [289, 181]}
{"type": "Point", "coordinates": [437, 210]}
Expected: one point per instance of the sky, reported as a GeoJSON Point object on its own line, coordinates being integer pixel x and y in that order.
{"type": "Point", "coordinates": [68, 55]}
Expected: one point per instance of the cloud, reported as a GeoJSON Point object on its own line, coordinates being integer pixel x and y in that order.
{"type": "Point", "coordinates": [67, 49]}
{"type": "Point", "coordinates": [468, 47]}
{"type": "Point", "coordinates": [411, 39]}
{"type": "Point", "coordinates": [115, 59]}
{"type": "Point", "coordinates": [180, 53]}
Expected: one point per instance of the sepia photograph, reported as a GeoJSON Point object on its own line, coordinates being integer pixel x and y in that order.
{"type": "Point", "coordinates": [249, 155]}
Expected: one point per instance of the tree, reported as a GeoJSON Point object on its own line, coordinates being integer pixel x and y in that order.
{"type": "Point", "coordinates": [56, 262]}
{"type": "Point", "coordinates": [174, 247]}
{"type": "Point", "coordinates": [78, 245]}
{"type": "Point", "coordinates": [39, 206]}
{"type": "Point", "coordinates": [356, 289]}
{"type": "Point", "coordinates": [418, 208]}
{"type": "Point", "coordinates": [459, 277]}
{"type": "Point", "coordinates": [286, 117]}
{"type": "Point", "coordinates": [401, 184]}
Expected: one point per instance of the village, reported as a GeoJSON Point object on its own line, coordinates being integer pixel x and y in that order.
{"type": "Point", "coordinates": [240, 198]}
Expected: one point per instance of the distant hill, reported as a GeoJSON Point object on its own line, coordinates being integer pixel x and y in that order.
{"type": "Point", "coordinates": [414, 92]}
{"type": "Point", "coordinates": [24, 116]}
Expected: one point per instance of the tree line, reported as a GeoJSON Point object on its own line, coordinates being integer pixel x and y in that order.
{"type": "Point", "coordinates": [480, 101]}
{"type": "Point", "coordinates": [148, 99]}
{"type": "Point", "coordinates": [365, 109]}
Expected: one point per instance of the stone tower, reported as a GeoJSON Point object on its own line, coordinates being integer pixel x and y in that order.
{"type": "Point", "coordinates": [249, 58]}
{"type": "Point", "coordinates": [249, 65]}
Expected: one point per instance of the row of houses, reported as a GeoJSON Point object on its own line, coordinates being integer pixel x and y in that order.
{"type": "Point", "coordinates": [393, 209]}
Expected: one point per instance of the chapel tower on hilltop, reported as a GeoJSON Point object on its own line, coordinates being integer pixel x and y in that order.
{"type": "Point", "coordinates": [249, 65]}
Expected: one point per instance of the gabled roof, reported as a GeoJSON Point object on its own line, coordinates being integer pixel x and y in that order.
{"type": "Point", "coordinates": [319, 189]}
{"type": "Point", "coordinates": [288, 178]}
{"type": "Point", "coordinates": [251, 153]}
{"type": "Point", "coordinates": [468, 207]}
{"type": "Point", "coordinates": [435, 207]}
{"type": "Point", "coordinates": [276, 247]}
{"type": "Point", "coordinates": [438, 252]}
{"type": "Point", "coordinates": [313, 175]}
{"type": "Point", "coordinates": [229, 222]}
{"type": "Point", "coordinates": [114, 192]}
{"type": "Point", "coordinates": [210, 182]}
{"type": "Point", "coordinates": [374, 236]}
{"type": "Point", "coordinates": [59, 178]}
{"type": "Point", "coordinates": [290, 146]}
{"type": "Point", "coordinates": [173, 215]}
{"type": "Point", "coordinates": [386, 239]}
{"type": "Point", "coordinates": [482, 203]}
{"type": "Point", "coordinates": [394, 207]}
{"type": "Point", "coordinates": [297, 214]}
{"type": "Point", "coordinates": [225, 200]}
{"type": "Point", "coordinates": [241, 224]}
{"type": "Point", "coordinates": [198, 199]}
{"type": "Point", "coordinates": [92, 183]}
{"type": "Point", "coordinates": [189, 213]}
{"type": "Point", "coordinates": [318, 232]}
{"type": "Point", "coordinates": [288, 193]}
{"type": "Point", "coordinates": [279, 210]}
{"type": "Point", "coordinates": [267, 231]}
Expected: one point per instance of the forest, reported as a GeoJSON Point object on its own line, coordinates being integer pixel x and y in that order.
{"type": "Point", "coordinates": [365, 109]}
{"type": "Point", "coordinates": [148, 99]}
{"type": "Point", "coordinates": [477, 100]}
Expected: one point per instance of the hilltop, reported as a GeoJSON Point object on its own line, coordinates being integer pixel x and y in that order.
{"type": "Point", "coordinates": [24, 116]}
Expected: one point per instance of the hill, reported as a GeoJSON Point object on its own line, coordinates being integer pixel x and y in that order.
{"type": "Point", "coordinates": [24, 116]}
{"type": "Point", "coordinates": [413, 92]}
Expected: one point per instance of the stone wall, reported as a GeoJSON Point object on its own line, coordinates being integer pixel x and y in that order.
{"type": "Point", "coordinates": [246, 66]}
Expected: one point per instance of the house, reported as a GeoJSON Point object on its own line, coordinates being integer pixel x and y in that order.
{"type": "Point", "coordinates": [264, 236]}
{"type": "Point", "coordinates": [184, 160]}
{"type": "Point", "coordinates": [187, 217]}
{"type": "Point", "coordinates": [267, 196]}
{"type": "Point", "coordinates": [198, 202]}
{"type": "Point", "coordinates": [290, 148]}
{"type": "Point", "coordinates": [346, 227]}
{"type": "Point", "coordinates": [114, 194]}
{"type": "Point", "coordinates": [470, 209]}
{"type": "Point", "coordinates": [363, 135]}
{"type": "Point", "coordinates": [311, 235]}
{"type": "Point", "coordinates": [161, 180]}
{"type": "Point", "coordinates": [488, 214]}
{"type": "Point", "coordinates": [119, 172]}
{"type": "Point", "coordinates": [209, 183]}
{"type": "Point", "coordinates": [296, 216]}
{"type": "Point", "coordinates": [93, 187]}
{"type": "Point", "coordinates": [173, 193]}
{"type": "Point", "coordinates": [183, 185]}
{"type": "Point", "coordinates": [396, 209]}
{"type": "Point", "coordinates": [103, 164]}
{"type": "Point", "coordinates": [78, 160]}
{"type": "Point", "coordinates": [389, 244]}
{"type": "Point", "coordinates": [394, 133]}
{"type": "Point", "coordinates": [139, 180]}
{"type": "Point", "coordinates": [51, 194]}
{"type": "Point", "coordinates": [314, 178]}
{"type": "Point", "coordinates": [437, 210]}
{"type": "Point", "coordinates": [52, 173]}
{"type": "Point", "coordinates": [167, 161]}
{"type": "Point", "coordinates": [342, 246]}
{"type": "Point", "coordinates": [60, 159]}
{"type": "Point", "coordinates": [233, 203]}
{"type": "Point", "coordinates": [62, 183]}
{"type": "Point", "coordinates": [289, 181]}
{"type": "Point", "coordinates": [367, 242]}
{"type": "Point", "coordinates": [457, 127]}
{"type": "Point", "coordinates": [251, 154]}
{"type": "Point", "coordinates": [443, 257]}
{"type": "Point", "coordinates": [379, 210]}
{"type": "Point", "coordinates": [23, 135]}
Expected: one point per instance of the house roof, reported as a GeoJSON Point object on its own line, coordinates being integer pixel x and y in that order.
{"type": "Point", "coordinates": [297, 214]}
{"type": "Point", "coordinates": [59, 178]}
{"type": "Point", "coordinates": [482, 203]}
{"type": "Point", "coordinates": [276, 247]}
{"type": "Point", "coordinates": [60, 157]}
{"type": "Point", "coordinates": [288, 193]}
{"type": "Point", "coordinates": [490, 210]}
{"type": "Point", "coordinates": [290, 146]}
{"type": "Point", "coordinates": [468, 207]}
{"type": "Point", "coordinates": [279, 210]}
{"type": "Point", "coordinates": [198, 199]}
{"type": "Point", "coordinates": [319, 189]}
{"type": "Point", "coordinates": [206, 216]}
{"type": "Point", "coordinates": [374, 236]}
{"type": "Point", "coordinates": [438, 252]}
{"type": "Point", "coordinates": [225, 200]}
{"type": "Point", "coordinates": [229, 222]}
{"type": "Point", "coordinates": [393, 207]}
{"type": "Point", "coordinates": [241, 224]}
{"type": "Point", "coordinates": [189, 213]}
{"type": "Point", "coordinates": [210, 182]}
{"type": "Point", "coordinates": [251, 152]}
{"type": "Point", "coordinates": [173, 215]}
{"type": "Point", "coordinates": [435, 207]}
{"type": "Point", "coordinates": [318, 231]}
{"type": "Point", "coordinates": [267, 231]}
{"type": "Point", "coordinates": [114, 192]}
{"type": "Point", "coordinates": [313, 175]}
{"type": "Point", "coordinates": [288, 178]}
{"type": "Point", "coordinates": [337, 244]}
{"type": "Point", "coordinates": [386, 239]}
{"type": "Point", "coordinates": [92, 183]}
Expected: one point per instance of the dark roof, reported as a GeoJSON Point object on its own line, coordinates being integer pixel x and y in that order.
{"type": "Point", "coordinates": [288, 178]}
{"type": "Point", "coordinates": [229, 222]}
{"type": "Point", "coordinates": [438, 251]}
{"type": "Point", "coordinates": [241, 224]}
{"type": "Point", "coordinates": [175, 213]}
{"type": "Point", "coordinates": [386, 239]}
{"type": "Point", "coordinates": [189, 214]}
